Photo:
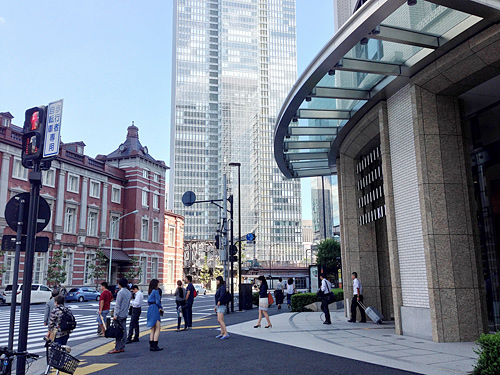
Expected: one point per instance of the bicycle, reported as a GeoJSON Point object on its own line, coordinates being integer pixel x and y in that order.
{"type": "Point", "coordinates": [58, 357]}
{"type": "Point", "coordinates": [7, 357]}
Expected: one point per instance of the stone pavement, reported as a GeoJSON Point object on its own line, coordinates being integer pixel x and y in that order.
{"type": "Point", "coordinates": [370, 342]}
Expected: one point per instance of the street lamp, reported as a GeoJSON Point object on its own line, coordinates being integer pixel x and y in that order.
{"type": "Point", "coordinates": [239, 233]}
{"type": "Point", "coordinates": [112, 224]}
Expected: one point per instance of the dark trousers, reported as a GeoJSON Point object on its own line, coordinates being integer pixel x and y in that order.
{"type": "Point", "coordinates": [354, 305]}
{"type": "Point", "coordinates": [187, 312]}
{"type": "Point", "coordinates": [63, 340]}
{"type": "Point", "coordinates": [120, 343]}
{"type": "Point", "coordinates": [134, 323]}
{"type": "Point", "coordinates": [180, 304]}
{"type": "Point", "coordinates": [279, 297]}
{"type": "Point", "coordinates": [326, 310]}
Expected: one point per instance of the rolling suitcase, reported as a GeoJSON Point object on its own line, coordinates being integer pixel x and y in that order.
{"type": "Point", "coordinates": [372, 313]}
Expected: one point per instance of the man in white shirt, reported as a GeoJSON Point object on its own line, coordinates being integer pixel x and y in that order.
{"type": "Point", "coordinates": [135, 304]}
{"type": "Point", "coordinates": [357, 297]}
{"type": "Point", "coordinates": [326, 288]}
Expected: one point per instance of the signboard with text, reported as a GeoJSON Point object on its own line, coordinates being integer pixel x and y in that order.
{"type": "Point", "coordinates": [53, 129]}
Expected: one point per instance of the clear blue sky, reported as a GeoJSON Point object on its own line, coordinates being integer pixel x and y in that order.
{"type": "Point", "coordinates": [111, 63]}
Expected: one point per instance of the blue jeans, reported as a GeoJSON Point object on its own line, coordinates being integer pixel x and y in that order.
{"type": "Point", "coordinates": [289, 299]}
{"type": "Point", "coordinates": [187, 312]}
{"type": "Point", "coordinates": [63, 340]}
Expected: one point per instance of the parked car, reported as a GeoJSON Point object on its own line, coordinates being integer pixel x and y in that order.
{"type": "Point", "coordinates": [39, 293]}
{"type": "Point", "coordinates": [82, 294]}
{"type": "Point", "coordinates": [199, 289]}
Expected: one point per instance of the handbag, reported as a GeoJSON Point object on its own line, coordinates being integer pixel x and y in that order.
{"type": "Point", "coordinates": [330, 298]}
{"type": "Point", "coordinates": [270, 299]}
{"type": "Point", "coordinates": [130, 310]}
{"type": "Point", "coordinates": [115, 330]}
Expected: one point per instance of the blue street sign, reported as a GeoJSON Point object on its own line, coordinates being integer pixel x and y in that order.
{"type": "Point", "coordinates": [250, 237]}
{"type": "Point", "coordinates": [53, 129]}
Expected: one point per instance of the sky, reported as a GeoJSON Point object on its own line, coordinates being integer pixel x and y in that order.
{"type": "Point", "coordinates": [111, 63]}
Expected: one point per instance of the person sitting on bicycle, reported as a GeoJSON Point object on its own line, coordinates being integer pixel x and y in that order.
{"type": "Point", "coordinates": [61, 337]}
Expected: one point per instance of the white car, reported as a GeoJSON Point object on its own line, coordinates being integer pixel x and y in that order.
{"type": "Point", "coordinates": [199, 289]}
{"type": "Point", "coordinates": [39, 293]}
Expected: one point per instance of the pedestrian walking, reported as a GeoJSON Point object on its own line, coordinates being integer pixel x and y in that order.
{"type": "Point", "coordinates": [63, 291]}
{"type": "Point", "coordinates": [357, 297]}
{"type": "Point", "coordinates": [104, 305]}
{"type": "Point", "coordinates": [187, 310]}
{"type": "Point", "coordinates": [49, 306]}
{"type": "Point", "coordinates": [180, 302]}
{"type": "Point", "coordinates": [263, 301]}
{"type": "Point", "coordinates": [135, 313]}
{"type": "Point", "coordinates": [220, 307]}
{"type": "Point", "coordinates": [155, 310]}
{"type": "Point", "coordinates": [278, 293]}
{"type": "Point", "coordinates": [120, 314]}
{"type": "Point", "coordinates": [326, 288]}
{"type": "Point", "coordinates": [290, 291]}
{"type": "Point", "coordinates": [56, 331]}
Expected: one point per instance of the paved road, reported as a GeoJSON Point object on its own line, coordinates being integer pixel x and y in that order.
{"type": "Point", "coordinates": [85, 314]}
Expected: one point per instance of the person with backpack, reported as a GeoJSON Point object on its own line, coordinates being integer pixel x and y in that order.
{"type": "Point", "coordinates": [62, 322]}
{"type": "Point", "coordinates": [120, 314]}
{"type": "Point", "coordinates": [221, 301]}
{"type": "Point", "coordinates": [187, 310]}
{"type": "Point", "coordinates": [180, 301]}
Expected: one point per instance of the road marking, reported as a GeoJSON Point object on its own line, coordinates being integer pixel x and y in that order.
{"type": "Point", "coordinates": [93, 368]}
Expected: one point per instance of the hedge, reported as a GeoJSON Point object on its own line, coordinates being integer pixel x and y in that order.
{"type": "Point", "coordinates": [488, 362]}
{"type": "Point", "coordinates": [299, 301]}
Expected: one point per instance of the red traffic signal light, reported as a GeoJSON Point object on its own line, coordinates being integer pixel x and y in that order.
{"type": "Point", "coordinates": [33, 135]}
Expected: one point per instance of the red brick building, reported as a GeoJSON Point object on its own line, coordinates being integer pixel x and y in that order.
{"type": "Point", "coordinates": [85, 195]}
{"type": "Point", "coordinates": [173, 250]}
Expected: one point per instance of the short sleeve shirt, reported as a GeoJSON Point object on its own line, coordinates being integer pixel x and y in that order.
{"type": "Point", "coordinates": [355, 285]}
{"type": "Point", "coordinates": [106, 296]}
{"type": "Point", "coordinates": [190, 288]}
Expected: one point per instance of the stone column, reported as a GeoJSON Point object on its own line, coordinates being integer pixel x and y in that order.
{"type": "Point", "coordinates": [4, 183]}
{"type": "Point", "coordinates": [456, 290]}
{"type": "Point", "coordinates": [104, 211]}
{"type": "Point", "coordinates": [60, 202]}
{"type": "Point", "coordinates": [83, 208]}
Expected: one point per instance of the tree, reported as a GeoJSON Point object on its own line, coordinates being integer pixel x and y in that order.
{"type": "Point", "coordinates": [134, 270]}
{"type": "Point", "coordinates": [218, 270]}
{"type": "Point", "coordinates": [56, 273]}
{"type": "Point", "coordinates": [205, 273]}
{"type": "Point", "coordinates": [99, 268]}
{"type": "Point", "coordinates": [328, 254]}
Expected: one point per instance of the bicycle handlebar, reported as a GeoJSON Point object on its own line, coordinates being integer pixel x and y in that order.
{"type": "Point", "coordinates": [11, 353]}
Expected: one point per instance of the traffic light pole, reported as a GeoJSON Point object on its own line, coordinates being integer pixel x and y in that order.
{"type": "Point", "coordinates": [231, 198]}
{"type": "Point", "coordinates": [35, 178]}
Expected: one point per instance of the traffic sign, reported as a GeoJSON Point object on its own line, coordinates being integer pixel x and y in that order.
{"type": "Point", "coordinates": [250, 237]}
{"type": "Point", "coordinates": [9, 243]}
{"type": "Point", "coordinates": [12, 210]}
{"type": "Point", "coordinates": [53, 129]}
{"type": "Point", "coordinates": [189, 198]}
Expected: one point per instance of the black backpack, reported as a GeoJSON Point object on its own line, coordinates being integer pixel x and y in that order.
{"type": "Point", "coordinates": [226, 299]}
{"type": "Point", "coordinates": [68, 321]}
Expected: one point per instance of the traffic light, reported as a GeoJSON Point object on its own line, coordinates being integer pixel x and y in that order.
{"type": "Point", "coordinates": [217, 241]}
{"type": "Point", "coordinates": [33, 135]}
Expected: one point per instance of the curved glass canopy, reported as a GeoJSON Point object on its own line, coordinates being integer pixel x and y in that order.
{"type": "Point", "coordinates": [374, 53]}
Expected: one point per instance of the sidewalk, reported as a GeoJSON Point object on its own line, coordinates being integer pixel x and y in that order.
{"type": "Point", "coordinates": [372, 343]}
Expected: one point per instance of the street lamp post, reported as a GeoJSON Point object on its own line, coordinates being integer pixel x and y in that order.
{"type": "Point", "coordinates": [239, 233]}
{"type": "Point", "coordinates": [113, 223]}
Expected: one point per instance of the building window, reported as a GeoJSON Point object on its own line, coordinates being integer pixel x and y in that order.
{"type": "Point", "coordinates": [95, 189]}
{"type": "Point", "coordinates": [113, 228]}
{"type": "Point", "coordinates": [145, 230]}
{"type": "Point", "coordinates": [39, 269]}
{"type": "Point", "coordinates": [87, 273]}
{"type": "Point", "coordinates": [154, 268]}
{"type": "Point", "coordinates": [156, 231]}
{"type": "Point", "coordinates": [144, 198]}
{"type": "Point", "coordinates": [156, 201]}
{"type": "Point", "coordinates": [67, 263]}
{"type": "Point", "coordinates": [116, 194]}
{"type": "Point", "coordinates": [171, 236]}
{"type": "Point", "coordinates": [145, 173]}
{"type": "Point", "coordinates": [92, 224]}
{"type": "Point", "coordinates": [49, 178]}
{"type": "Point", "coordinates": [144, 270]}
{"type": "Point", "coordinates": [8, 276]}
{"type": "Point", "coordinates": [18, 171]}
{"type": "Point", "coordinates": [73, 182]}
{"type": "Point", "coordinates": [156, 177]}
{"type": "Point", "coordinates": [70, 220]}
{"type": "Point", "coordinates": [5, 122]}
{"type": "Point", "coordinates": [170, 275]}
{"type": "Point", "coordinates": [51, 206]}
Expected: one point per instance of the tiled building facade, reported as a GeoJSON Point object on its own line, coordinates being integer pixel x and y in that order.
{"type": "Point", "coordinates": [85, 195]}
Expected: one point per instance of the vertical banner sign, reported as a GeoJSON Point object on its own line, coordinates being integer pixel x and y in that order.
{"type": "Point", "coordinates": [53, 129]}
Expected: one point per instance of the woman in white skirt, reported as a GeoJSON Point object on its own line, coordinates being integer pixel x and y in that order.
{"type": "Point", "coordinates": [263, 302]}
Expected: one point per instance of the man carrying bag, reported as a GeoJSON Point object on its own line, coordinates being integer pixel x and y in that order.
{"type": "Point", "coordinates": [326, 296]}
{"type": "Point", "coordinates": [120, 315]}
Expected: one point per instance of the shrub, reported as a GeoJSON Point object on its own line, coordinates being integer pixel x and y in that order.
{"type": "Point", "coordinates": [299, 301]}
{"type": "Point", "coordinates": [488, 362]}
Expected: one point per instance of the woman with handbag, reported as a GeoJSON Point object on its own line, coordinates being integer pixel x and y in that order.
{"type": "Point", "coordinates": [220, 307]}
{"type": "Point", "coordinates": [263, 302]}
{"type": "Point", "coordinates": [180, 300]}
{"type": "Point", "coordinates": [155, 311]}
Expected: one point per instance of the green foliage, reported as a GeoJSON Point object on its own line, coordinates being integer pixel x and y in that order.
{"type": "Point", "coordinates": [488, 362]}
{"type": "Point", "coordinates": [218, 271]}
{"type": "Point", "coordinates": [56, 274]}
{"type": "Point", "coordinates": [328, 252]}
{"type": "Point", "coordinates": [205, 273]}
{"type": "Point", "coordinates": [300, 301]}
{"type": "Point", "coordinates": [99, 267]}
{"type": "Point", "coordinates": [3, 267]}
{"type": "Point", "coordinates": [133, 271]}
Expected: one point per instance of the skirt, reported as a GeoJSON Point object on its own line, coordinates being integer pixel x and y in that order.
{"type": "Point", "coordinates": [263, 304]}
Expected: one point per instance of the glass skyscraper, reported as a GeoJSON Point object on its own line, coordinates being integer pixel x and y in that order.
{"type": "Point", "coordinates": [234, 64]}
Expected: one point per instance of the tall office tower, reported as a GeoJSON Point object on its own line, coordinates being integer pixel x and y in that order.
{"type": "Point", "coordinates": [344, 9]}
{"type": "Point", "coordinates": [325, 206]}
{"type": "Point", "coordinates": [234, 64]}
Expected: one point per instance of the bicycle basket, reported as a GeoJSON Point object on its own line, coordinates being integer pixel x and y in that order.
{"type": "Point", "coordinates": [61, 360]}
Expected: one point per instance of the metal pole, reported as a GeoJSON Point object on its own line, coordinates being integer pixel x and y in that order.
{"type": "Point", "coordinates": [113, 223]}
{"type": "Point", "coordinates": [35, 178]}
{"type": "Point", "coordinates": [224, 225]}
{"type": "Point", "coordinates": [232, 258]}
{"type": "Point", "coordinates": [324, 210]}
{"type": "Point", "coordinates": [17, 261]}
{"type": "Point", "coordinates": [239, 239]}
